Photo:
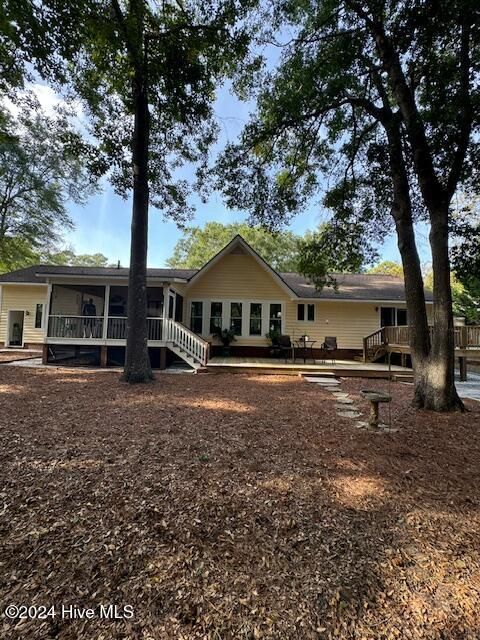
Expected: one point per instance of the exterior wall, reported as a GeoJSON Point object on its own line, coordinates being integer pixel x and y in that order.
{"type": "Point", "coordinates": [22, 298]}
{"type": "Point", "coordinates": [349, 322]}
{"type": "Point", "coordinates": [236, 277]}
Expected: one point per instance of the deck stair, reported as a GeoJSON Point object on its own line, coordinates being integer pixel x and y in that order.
{"type": "Point", "coordinates": [186, 344]}
{"type": "Point", "coordinates": [375, 345]}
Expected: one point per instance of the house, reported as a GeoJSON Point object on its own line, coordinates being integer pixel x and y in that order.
{"type": "Point", "coordinates": [77, 315]}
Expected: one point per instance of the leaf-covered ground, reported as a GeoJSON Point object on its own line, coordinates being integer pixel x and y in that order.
{"type": "Point", "coordinates": [234, 506]}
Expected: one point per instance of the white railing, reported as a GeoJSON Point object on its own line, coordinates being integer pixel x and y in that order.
{"type": "Point", "coordinates": [117, 328]}
{"type": "Point", "coordinates": [75, 327]}
{"type": "Point", "coordinates": [184, 338]}
{"type": "Point", "coordinates": [87, 327]}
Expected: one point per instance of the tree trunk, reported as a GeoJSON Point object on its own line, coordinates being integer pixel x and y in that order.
{"type": "Point", "coordinates": [414, 292]}
{"type": "Point", "coordinates": [440, 391]}
{"type": "Point", "coordinates": [137, 361]}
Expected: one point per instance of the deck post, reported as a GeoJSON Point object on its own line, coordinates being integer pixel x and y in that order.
{"type": "Point", "coordinates": [46, 315]}
{"type": "Point", "coordinates": [463, 368]}
{"type": "Point", "coordinates": [106, 304]}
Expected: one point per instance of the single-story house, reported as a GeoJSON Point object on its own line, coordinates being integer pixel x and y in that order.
{"type": "Point", "coordinates": [78, 314]}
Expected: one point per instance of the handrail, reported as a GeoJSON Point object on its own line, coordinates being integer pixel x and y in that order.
{"type": "Point", "coordinates": [187, 340]}
{"type": "Point", "coordinates": [374, 341]}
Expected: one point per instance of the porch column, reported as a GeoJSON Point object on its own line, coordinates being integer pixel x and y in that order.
{"type": "Point", "coordinates": [106, 304]}
{"type": "Point", "coordinates": [46, 315]}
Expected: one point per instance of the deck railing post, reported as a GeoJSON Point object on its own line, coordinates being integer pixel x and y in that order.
{"type": "Point", "coordinates": [106, 304]}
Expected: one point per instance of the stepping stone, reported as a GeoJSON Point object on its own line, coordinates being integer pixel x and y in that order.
{"type": "Point", "coordinates": [323, 381]}
{"type": "Point", "coordinates": [349, 414]}
{"type": "Point", "coordinates": [382, 428]}
{"type": "Point", "coordinates": [344, 400]}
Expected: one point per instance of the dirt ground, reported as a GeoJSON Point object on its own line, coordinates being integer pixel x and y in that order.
{"type": "Point", "coordinates": [12, 356]}
{"type": "Point", "coordinates": [233, 507]}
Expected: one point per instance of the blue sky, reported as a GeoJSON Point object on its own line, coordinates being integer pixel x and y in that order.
{"type": "Point", "coordinates": [103, 224]}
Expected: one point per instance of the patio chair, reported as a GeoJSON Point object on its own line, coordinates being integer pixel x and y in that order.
{"type": "Point", "coordinates": [330, 346]}
{"type": "Point", "coordinates": [284, 345]}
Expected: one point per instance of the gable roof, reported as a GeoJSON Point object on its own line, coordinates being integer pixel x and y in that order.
{"type": "Point", "coordinates": [351, 286]}
{"type": "Point", "coordinates": [239, 243]}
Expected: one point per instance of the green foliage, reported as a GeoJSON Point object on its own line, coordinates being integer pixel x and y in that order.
{"type": "Point", "coordinates": [69, 257]}
{"type": "Point", "coordinates": [273, 335]}
{"type": "Point", "coordinates": [387, 267]}
{"type": "Point", "coordinates": [226, 336]}
{"type": "Point", "coordinates": [198, 245]}
{"type": "Point", "coordinates": [334, 248]}
{"type": "Point", "coordinates": [40, 170]}
{"type": "Point", "coordinates": [324, 115]}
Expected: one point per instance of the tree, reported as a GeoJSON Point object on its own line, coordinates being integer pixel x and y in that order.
{"type": "Point", "coordinates": [336, 247]}
{"type": "Point", "coordinates": [198, 245]}
{"type": "Point", "coordinates": [146, 73]}
{"type": "Point", "coordinates": [388, 267]}
{"type": "Point", "coordinates": [40, 170]}
{"type": "Point", "coordinates": [360, 97]}
{"type": "Point", "coordinates": [69, 257]}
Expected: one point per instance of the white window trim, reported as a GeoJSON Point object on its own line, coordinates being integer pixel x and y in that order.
{"type": "Point", "coordinates": [226, 319]}
{"type": "Point", "coordinates": [305, 312]}
{"type": "Point", "coordinates": [391, 306]}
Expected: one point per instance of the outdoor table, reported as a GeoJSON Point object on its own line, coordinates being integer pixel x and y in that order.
{"type": "Point", "coordinates": [305, 346]}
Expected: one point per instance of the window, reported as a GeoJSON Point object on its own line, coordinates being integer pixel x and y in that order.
{"type": "Point", "coordinates": [196, 317]}
{"type": "Point", "coordinates": [236, 318]}
{"type": "Point", "coordinates": [216, 317]}
{"type": "Point", "coordinates": [275, 319]}
{"type": "Point", "coordinates": [255, 318]}
{"type": "Point", "coordinates": [387, 316]}
{"type": "Point", "coordinates": [310, 312]}
{"type": "Point", "coordinates": [38, 316]}
{"type": "Point", "coordinates": [393, 317]}
{"type": "Point", "coordinates": [402, 317]}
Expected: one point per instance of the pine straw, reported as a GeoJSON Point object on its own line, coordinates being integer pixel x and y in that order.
{"type": "Point", "coordinates": [13, 356]}
{"type": "Point", "coordinates": [234, 506]}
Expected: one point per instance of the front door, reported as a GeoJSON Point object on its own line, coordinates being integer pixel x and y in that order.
{"type": "Point", "coordinates": [15, 328]}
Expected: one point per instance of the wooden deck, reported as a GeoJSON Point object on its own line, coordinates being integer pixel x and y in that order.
{"type": "Point", "coordinates": [345, 368]}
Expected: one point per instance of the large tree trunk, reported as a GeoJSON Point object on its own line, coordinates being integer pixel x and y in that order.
{"type": "Point", "coordinates": [440, 391]}
{"type": "Point", "coordinates": [137, 361]}
{"type": "Point", "coordinates": [414, 292]}
{"type": "Point", "coordinates": [435, 387]}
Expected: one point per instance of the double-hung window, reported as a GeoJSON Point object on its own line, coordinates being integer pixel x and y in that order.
{"type": "Point", "coordinates": [196, 317]}
{"type": "Point", "coordinates": [275, 318]}
{"type": "Point", "coordinates": [255, 319]}
{"type": "Point", "coordinates": [310, 315]}
{"type": "Point", "coordinates": [236, 318]}
{"type": "Point", "coordinates": [216, 312]}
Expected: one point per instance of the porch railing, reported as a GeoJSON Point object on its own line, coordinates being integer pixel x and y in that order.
{"type": "Point", "coordinates": [117, 328]}
{"type": "Point", "coordinates": [466, 337]}
{"type": "Point", "coordinates": [75, 326]}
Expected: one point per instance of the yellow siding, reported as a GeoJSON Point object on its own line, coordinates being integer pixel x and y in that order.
{"type": "Point", "coordinates": [22, 297]}
{"type": "Point", "coordinates": [236, 276]}
{"type": "Point", "coordinates": [349, 322]}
